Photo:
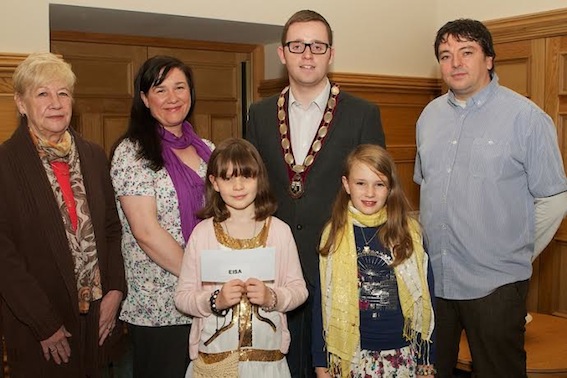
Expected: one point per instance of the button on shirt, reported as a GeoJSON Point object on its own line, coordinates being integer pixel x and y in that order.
{"type": "Point", "coordinates": [480, 168]}
{"type": "Point", "coordinates": [304, 121]}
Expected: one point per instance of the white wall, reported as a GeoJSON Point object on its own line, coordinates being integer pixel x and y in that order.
{"type": "Point", "coordinates": [388, 37]}
{"type": "Point", "coordinates": [372, 37]}
{"type": "Point", "coordinates": [483, 10]}
{"type": "Point", "coordinates": [273, 68]}
{"type": "Point", "coordinates": [24, 26]}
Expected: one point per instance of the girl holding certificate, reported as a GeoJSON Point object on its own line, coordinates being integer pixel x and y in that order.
{"type": "Point", "coordinates": [373, 315]}
{"type": "Point", "coordinates": [239, 326]}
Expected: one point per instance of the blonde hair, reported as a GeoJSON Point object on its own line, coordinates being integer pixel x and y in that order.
{"type": "Point", "coordinates": [396, 231]}
{"type": "Point", "coordinates": [39, 69]}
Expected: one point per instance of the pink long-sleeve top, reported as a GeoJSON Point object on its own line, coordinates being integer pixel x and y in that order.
{"type": "Point", "coordinates": [192, 296]}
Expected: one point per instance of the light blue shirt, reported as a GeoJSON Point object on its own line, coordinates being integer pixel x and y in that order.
{"type": "Point", "coordinates": [480, 168]}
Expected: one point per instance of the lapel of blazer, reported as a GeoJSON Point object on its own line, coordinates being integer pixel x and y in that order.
{"type": "Point", "coordinates": [274, 139]}
{"type": "Point", "coordinates": [336, 120]}
{"type": "Point", "coordinates": [31, 172]}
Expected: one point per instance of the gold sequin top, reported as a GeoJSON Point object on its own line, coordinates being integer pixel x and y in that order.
{"type": "Point", "coordinates": [228, 241]}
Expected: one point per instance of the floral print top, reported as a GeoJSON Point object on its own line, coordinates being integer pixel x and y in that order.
{"type": "Point", "coordinates": [150, 287]}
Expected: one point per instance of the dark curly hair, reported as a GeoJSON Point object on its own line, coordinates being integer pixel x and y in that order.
{"type": "Point", "coordinates": [465, 29]}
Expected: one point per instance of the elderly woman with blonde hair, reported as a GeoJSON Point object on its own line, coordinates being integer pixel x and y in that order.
{"type": "Point", "coordinates": [62, 274]}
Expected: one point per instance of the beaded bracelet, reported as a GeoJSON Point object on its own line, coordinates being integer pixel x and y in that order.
{"type": "Point", "coordinates": [426, 370]}
{"type": "Point", "coordinates": [273, 301]}
{"type": "Point", "coordinates": [213, 302]}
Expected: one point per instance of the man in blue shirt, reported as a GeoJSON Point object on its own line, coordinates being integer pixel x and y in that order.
{"type": "Point", "coordinates": [493, 193]}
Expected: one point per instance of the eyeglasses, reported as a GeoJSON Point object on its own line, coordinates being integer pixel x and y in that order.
{"type": "Point", "coordinates": [316, 48]}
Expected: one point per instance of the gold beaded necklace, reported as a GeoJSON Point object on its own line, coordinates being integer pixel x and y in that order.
{"type": "Point", "coordinates": [298, 172]}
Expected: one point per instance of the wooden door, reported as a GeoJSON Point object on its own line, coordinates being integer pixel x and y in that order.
{"type": "Point", "coordinates": [520, 66]}
{"type": "Point", "coordinates": [103, 93]}
{"type": "Point", "coordinates": [218, 86]}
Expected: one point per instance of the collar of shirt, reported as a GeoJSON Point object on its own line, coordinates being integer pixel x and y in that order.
{"type": "Point", "coordinates": [320, 101]}
{"type": "Point", "coordinates": [478, 98]}
{"type": "Point", "coordinates": [304, 121]}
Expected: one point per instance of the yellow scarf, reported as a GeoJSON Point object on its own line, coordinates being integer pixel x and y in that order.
{"type": "Point", "coordinates": [339, 292]}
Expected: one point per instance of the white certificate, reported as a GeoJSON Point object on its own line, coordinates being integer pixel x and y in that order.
{"type": "Point", "coordinates": [225, 265]}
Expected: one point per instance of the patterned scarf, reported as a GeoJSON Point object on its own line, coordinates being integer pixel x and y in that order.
{"type": "Point", "coordinates": [341, 313]}
{"type": "Point", "coordinates": [189, 186]}
{"type": "Point", "coordinates": [82, 240]}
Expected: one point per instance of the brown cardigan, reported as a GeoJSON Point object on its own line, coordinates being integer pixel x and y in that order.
{"type": "Point", "coordinates": [37, 285]}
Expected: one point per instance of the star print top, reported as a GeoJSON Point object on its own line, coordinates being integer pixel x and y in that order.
{"type": "Point", "coordinates": [381, 319]}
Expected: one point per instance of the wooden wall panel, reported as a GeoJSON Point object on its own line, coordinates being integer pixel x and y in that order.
{"type": "Point", "coordinates": [114, 126]}
{"type": "Point", "coordinates": [520, 68]}
{"type": "Point", "coordinates": [214, 82]}
{"type": "Point", "coordinates": [100, 77]}
{"type": "Point", "coordinates": [104, 89]}
{"type": "Point", "coordinates": [8, 115]}
{"type": "Point", "coordinates": [222, 127]}
{"type": "Point", "coordinates": [515, 72]}
{"type": "Point", "coordinates": [562, 133]}
{"type": "Point", "coordinates": [102, 128]}
{"type": "Point", "coordinates": [8, 110]}
{"type": "Point", "coordinates": [103, 70]}
{"type": "Point", "coordinates": [202, 125]}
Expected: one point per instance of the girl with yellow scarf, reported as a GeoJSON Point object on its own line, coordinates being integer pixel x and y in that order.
{"type": "Point", "coordinates": [373, 313]}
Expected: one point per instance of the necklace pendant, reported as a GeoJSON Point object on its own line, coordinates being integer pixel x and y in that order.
{"type": "Point", "coordinates": [366, 249]}
{"type": "Point", "coordinates": [296, 187]}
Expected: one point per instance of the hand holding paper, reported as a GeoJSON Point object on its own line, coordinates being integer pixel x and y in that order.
{"type": "Point", "coordinates": [230, 294]}
{"type": "Point", "coordinates": [257, 292]}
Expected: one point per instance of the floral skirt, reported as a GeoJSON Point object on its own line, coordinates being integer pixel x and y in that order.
{"type": "Point", "coordinates": [393, 363]}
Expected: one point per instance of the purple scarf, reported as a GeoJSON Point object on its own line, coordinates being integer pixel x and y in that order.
{"type": "Point", "coordinates": [189, 186]}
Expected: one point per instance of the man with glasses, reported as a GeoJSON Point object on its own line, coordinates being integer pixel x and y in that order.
{"type": "Point", "coordinates": [304, 135]}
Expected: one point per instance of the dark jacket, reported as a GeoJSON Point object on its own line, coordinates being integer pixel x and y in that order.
{"type": "Point", "coordinates": [356, 121]}
{"type": "Point", "coordinates": [37, 282]}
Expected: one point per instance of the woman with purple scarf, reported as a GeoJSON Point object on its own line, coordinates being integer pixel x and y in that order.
{"type": "Point", "coordinates": [158, 171]}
